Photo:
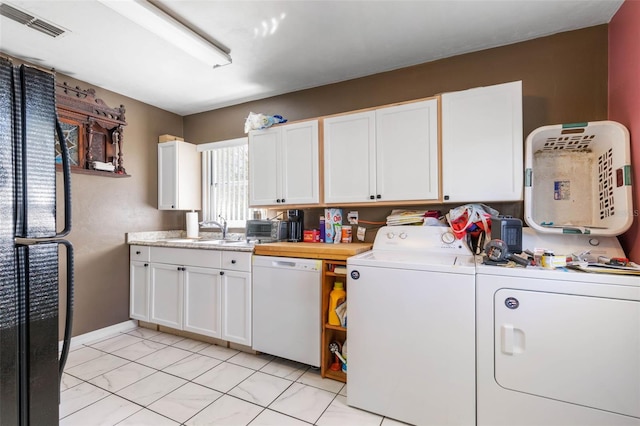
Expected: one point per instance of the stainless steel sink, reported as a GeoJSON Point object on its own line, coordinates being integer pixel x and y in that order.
{"type": "Point", "coordinates": [180, 240]}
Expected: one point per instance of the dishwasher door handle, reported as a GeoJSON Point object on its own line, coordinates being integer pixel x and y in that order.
{"type": "Point", "coordinates": [284, 263]}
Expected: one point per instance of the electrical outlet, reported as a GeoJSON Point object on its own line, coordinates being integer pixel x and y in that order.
{"type": "Point", "coordinates": [352, 217]}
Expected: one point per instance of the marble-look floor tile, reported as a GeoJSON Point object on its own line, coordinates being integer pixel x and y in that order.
{"type": "Point", "coordinates": [218, 352]}
{"type": "Point", "coordinates": [122, 377]}
{"type": "Point", "coordinates": [142, 332]}
{"type": "Point", "coordinates": [285, 368]}
{"type": "Point", "coordinates": [339, 413]}
{"type": "Point", "coordinates": [226, 411]}
{"type": "Point", "coordinates": [166, 338]}
{"type": "Point", "coordinates": [106, 412]}
{"type": "Point", "coordinates": [255, 362]}
{"type": "Point", "coordinates": [343, 391]}
{"type": "Point", "coordinates": [184, 402]}
{"type": "Point", "coordinates": [313, 378]}
{"type": "Point", "coordinates": [68, 382]}
{"type": "Point", "coordinates": [272, 418]}
{"type": "Point", "coordinates": [139, 350]}
{"type": "Point", "coordinates": [82, 355]}
{"type": "Point", "coordinates": [78, 397]}
{"type": "Point", "coordinates": [224, 376]}
{"type": "Point", "coordinates": [115, 343]}
{"type": "Point", "coordinates": [260, 388]}
{"type": "Point", "coordinates": [391, 422]}
{"type": "Point", "coordinates": [164, 357]}
{"type": "Point", "coordinates": [303, 402]}
{"type": "Point", "coordinates": [191, 345]}
{"type": "Point", "coordinates": [146, 417]}
{"type": "Point", "coordinates": [192, 366]}
{"type": "Point", "coordinates": [151, 388]}
{"type": "Point", "coordinates": [96, 366]}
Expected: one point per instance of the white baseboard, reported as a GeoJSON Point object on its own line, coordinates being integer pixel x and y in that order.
{"type": "Point", "coordinates": [100, 333]}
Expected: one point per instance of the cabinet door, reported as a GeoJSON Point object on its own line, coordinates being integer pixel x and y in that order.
{"type": "Point", "coordinates": [349, 158]}
{"type": "Point", "coordinates": [179, 176]}
{"type": "Point", "coordinates": [236, 307]}
{"type": "Point", "coordinates": [166, 295]}
{"type": "Point", "coordinates": [202, 301]}
{"type": "Point", "coordinates": [139, 290]}
{"type": "Point", "coordinates": [299, 155]}
{"type": "Point", "coordinates": [264, 178]}
{"type": "Point", "coordinates": [407, 152]}
{"type": "Point", "coordinates": [167, 176]}
{"type": "Point", "coordinates": [482, 144]}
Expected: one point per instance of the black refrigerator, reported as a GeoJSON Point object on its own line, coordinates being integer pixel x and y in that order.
{"type": "Point", "coordinates": [30, 248]}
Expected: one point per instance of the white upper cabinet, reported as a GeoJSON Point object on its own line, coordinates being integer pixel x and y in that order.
{"type": "Point", "coordinates": [482, 144]}
{"type": "Point", "coordinates": [388, 154]}
{"type": "Point", "coordinates": [179, 179]}
{"type": "Point", "coordinates": [283, 165]}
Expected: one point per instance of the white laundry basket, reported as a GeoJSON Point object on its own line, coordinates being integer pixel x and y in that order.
{"type": "Point", "coordinates": [578, 179]}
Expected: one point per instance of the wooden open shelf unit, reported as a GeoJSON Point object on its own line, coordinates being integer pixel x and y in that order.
{"type": "Point", "coordinates": [330, 332]}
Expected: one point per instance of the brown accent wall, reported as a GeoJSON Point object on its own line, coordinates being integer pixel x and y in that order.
{"type": "Point", "coordinates": [564, 80]}
{"type": "Point", "coordinates": [104, 209]}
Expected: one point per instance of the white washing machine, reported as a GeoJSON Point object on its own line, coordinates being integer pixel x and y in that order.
{"type": "Point", "coordinates": [558, 347]}
{"type": "Point", "coordinates": [411, 327]}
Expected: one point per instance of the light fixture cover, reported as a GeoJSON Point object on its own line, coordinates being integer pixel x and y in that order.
{"type": "Point", "coordinates": [171, 30]}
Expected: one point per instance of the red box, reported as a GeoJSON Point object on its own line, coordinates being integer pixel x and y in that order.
{"type": "Point", "coordinates": [311, 236]}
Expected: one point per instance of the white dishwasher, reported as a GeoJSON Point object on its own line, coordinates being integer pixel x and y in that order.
{"type": "Point", "coordinates": [286, 308]}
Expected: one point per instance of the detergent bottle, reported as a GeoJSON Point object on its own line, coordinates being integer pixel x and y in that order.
{"type": "Point", "coordinates": [336, 297]}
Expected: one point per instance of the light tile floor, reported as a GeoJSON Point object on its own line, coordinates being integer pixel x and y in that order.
{"type": "Point", "coordinates": [148, 378]}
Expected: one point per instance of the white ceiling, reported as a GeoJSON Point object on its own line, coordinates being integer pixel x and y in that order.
{"type": "Point", "coordinates": [314, 42]}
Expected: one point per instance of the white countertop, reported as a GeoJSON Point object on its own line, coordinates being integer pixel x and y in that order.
{"type": "Point", "coordinates": [178, 239]}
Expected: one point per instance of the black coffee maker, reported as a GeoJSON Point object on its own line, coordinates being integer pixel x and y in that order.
{"type": "Point", "coordinates": [295, 225]}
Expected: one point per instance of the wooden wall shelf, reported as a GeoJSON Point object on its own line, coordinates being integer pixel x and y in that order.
{"type": "Point", "coordinates": [93, 131]}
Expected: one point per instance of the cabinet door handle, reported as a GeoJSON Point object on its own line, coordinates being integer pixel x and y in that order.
{"type": "Point", "coordinates": [146, 265]}
{"type": "Point", "coordinates": [371, 197]}
{"type": "Point", "coordinates": [378, 196]}
{"type": "Point", "coordinates": [233, 261]}
{"type": "Point", "coordinates": [221, 272]}
{"type": "Point", "coordinates": [283, 200]}
{"type": "Point", "coordinates": [278, 200]}
{"type": "Point", "coordinates": [138, 252]}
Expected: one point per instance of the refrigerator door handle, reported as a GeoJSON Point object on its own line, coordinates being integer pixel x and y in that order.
{"type": "Point", "coordinates": [66, 176]}
{"type": "Point", "coordinates": [68, 322]}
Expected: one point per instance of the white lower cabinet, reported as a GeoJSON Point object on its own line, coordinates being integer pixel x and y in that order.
{"type": "Point", "coordinates": [166, 295]}
{"type": "Point", "coordinates": [202, 312]}
{"type": "Point", "coordinates": [207, 292]}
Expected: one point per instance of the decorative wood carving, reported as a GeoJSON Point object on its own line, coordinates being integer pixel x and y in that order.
{"type": "Point", "coordinates": [95, 130]}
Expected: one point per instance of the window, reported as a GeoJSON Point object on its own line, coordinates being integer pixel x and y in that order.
{"type": "Point", "coordinates": [225, 181]}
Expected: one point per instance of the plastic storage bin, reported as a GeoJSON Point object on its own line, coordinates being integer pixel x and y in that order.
{"type": "Point", "coordinates": [578, 179]}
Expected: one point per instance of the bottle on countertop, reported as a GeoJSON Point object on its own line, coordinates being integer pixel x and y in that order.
{"type": "Point", "coordinates": [336, 297]}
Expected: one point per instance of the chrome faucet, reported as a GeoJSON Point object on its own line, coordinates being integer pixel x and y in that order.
{"type": "Point", "coordinates": [222, 226]}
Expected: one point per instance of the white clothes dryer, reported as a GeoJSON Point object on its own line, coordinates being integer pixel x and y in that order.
{"type": "Point", "coordinates": [558, 347]}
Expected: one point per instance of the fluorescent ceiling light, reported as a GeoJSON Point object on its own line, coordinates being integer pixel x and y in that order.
{"type": "Point", "coordinates": [161, 24]}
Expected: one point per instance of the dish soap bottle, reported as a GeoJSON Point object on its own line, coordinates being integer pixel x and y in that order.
{"type": "Point", "coordinates": [336, 297]}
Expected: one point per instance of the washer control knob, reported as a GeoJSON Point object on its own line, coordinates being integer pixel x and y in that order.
{"type": "Point", "coordinates": [390, 235]}
{"type": "Point", "coordinates": [594, 242]}
{"type": "Point", "coordinates": [403, 235]}
{"type": "Point", "coordinates": [448, 238]}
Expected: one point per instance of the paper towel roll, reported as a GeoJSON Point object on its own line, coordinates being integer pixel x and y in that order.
{"type": "Point", "coordinates": [192, 225]}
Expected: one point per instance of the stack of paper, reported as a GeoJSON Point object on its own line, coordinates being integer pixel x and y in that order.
{"type": "Point", "coordinates": [405, 217]}
{"type": "Point", "coordinates": [107, 167]}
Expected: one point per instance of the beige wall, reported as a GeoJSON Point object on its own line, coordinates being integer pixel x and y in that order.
{"type": "Point", "coordinates": [104, 209]}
